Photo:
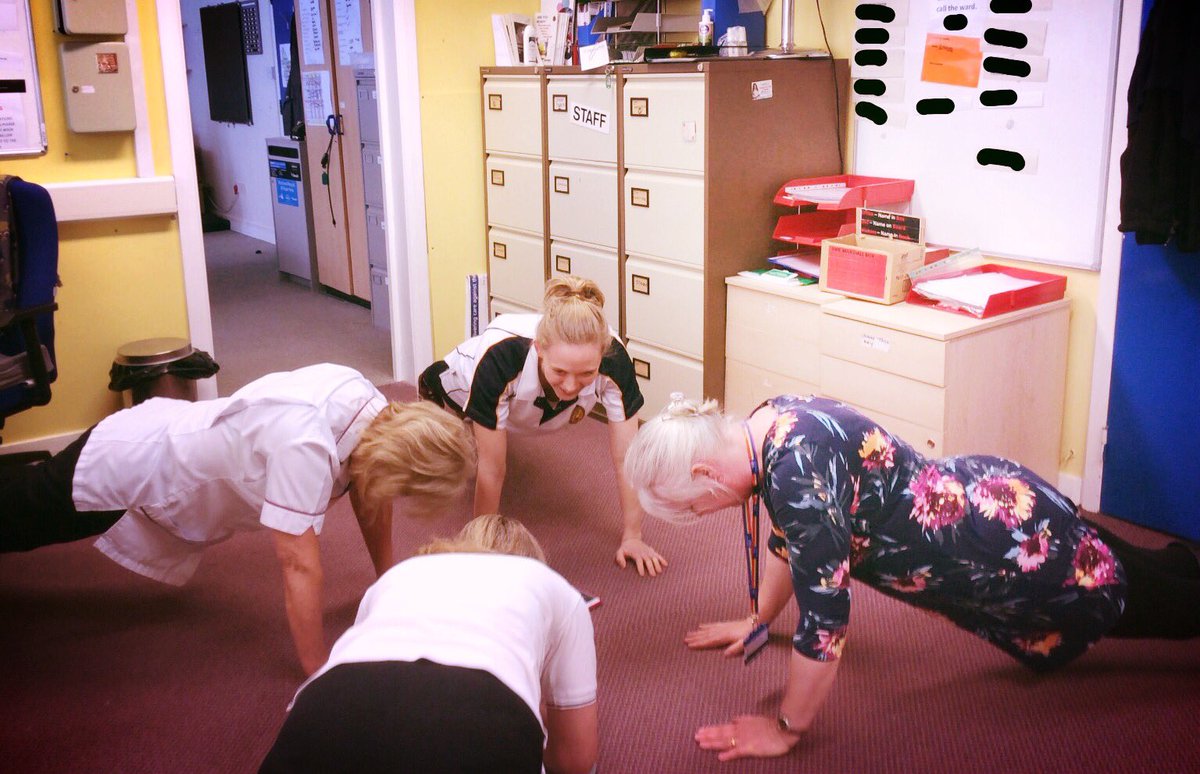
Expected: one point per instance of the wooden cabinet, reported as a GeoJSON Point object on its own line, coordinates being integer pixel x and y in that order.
{"type": "Point", "coordinates": [948, 384]}
{"type": "Point", "coordinates": [656, 181]}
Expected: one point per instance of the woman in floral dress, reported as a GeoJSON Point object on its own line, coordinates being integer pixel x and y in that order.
{"type": "Point", "coordinates": [980, 540]}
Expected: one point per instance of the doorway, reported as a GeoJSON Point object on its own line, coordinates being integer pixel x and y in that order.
{"type": "Point", "coordinates": [261, 320]}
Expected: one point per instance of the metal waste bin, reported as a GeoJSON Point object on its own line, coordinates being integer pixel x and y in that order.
{"type": "Point", "coordinates": [152, 368]}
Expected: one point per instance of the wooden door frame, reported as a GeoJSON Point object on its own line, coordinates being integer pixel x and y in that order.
{"type": "Point", "coordinates": [1110, 265]}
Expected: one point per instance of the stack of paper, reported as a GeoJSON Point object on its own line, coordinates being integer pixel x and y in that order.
{"type": "Point", "coordinates": [970, 292]}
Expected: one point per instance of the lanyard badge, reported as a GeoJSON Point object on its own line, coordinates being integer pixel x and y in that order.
{"type": "Point", "coordinates": [754, 642]}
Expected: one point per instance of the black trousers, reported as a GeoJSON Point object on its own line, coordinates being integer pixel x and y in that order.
{"type": "Point", "coordinates": [1163, 597]}
{"type": "Point", "coordinates": [36, 508]}
{"type": "Point", "coordinates": [407, 716]}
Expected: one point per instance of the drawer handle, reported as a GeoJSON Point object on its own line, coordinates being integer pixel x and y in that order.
{"type": "Point", "coordinates": [639, 197]}
{"type": "Point", "coordinates": [498, 177]}
{"type": "Point", "coordinates": [562, 263]}
{"type": "Point", "coordinates": [641, 368]}
{"type": "Point", "coordinates": [562, 184]}
{"type": "Point", "coordinates": [499, 250]}
{"type": "Point", "coordinates": [495, 102]}
{"type": "Point", "coordinates": [639, 107]}
{"type": "Point", "coordinates": [558, 103]}
{"type": "Point", "coordinates": [639, 284]}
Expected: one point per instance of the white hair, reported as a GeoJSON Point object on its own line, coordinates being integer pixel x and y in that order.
{"type": "Point", "coordinates": [658, 464]}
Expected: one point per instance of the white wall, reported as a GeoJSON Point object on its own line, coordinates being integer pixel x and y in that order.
{"type": "Point", "coordinates": [236, 154]}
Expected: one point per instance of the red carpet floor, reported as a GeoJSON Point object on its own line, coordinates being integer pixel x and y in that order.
{"type": "Point", "coordinates": [104, 671]}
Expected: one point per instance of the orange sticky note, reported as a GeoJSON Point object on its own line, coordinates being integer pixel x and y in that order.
{"type": "Point", "coordinates": [952, 59]}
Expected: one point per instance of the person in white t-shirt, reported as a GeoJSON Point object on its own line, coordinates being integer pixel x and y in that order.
{"type": "Point", "coordinates": [164, 479]}
{"type": "Point", "coordinates": [473, 656]}
{"type": "Point", "coordinates": [531, 373]}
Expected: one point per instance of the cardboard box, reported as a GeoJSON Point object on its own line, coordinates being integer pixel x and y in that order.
{"type": "Point", "coordinates": [874, 262]}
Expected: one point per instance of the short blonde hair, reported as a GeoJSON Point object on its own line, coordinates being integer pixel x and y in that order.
{"type": "Point", "coordinates": [573, 313]}
{"type": "Point", "coordinates": [658, 464]}
{"type": "Point", "coordinates": [489, 534]}
{"type": "Point", "coordinates": [412, 449]}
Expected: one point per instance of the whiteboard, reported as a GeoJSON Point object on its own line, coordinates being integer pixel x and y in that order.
{"type": "Point", "coordinates": [22, 127]}
{"type": "Point", "coordinates": [1023, 177]}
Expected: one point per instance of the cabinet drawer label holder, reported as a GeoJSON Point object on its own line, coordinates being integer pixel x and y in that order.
{"type": "Point", "coordinates": [639, 107]}
{"type": "Point", "coordinates": [499, 250]}
{"type": "Point", "coordinates": [639, 197]}
{"type": "Point", "coordinates": [558, 103]}
{"type": "Point", "coordinates": [641, 368]}
{"type": "Point", "coordinates": [497, 177]}
{"type": "Point", "coordinates": [495, 102]}
{"type": "Point", "coordinates": [562, 184]}
{"type": "Point", "coordinates": [640, 284]}
{"type": "Point", "coordinates": [562, 263]}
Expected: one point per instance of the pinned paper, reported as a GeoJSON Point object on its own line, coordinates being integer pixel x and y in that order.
{"type": "Point", "coordinates": [952, 59]}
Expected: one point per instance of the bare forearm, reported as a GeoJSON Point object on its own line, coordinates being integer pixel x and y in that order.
{"type": "Point", "coordinates": [808, 686]}
{"type": "Point", "coordinates": [300, 562]}
{"type": "Point", "coordinates": [488, 485]}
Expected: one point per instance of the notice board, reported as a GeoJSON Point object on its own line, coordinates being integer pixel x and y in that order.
{"type": "Point", "coordinates": [1000, 110]}
{"type": "Point", "coordinates": [22, 128]}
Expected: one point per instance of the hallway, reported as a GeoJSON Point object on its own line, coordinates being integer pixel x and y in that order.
{"type": "Point", "coordinates": [263, 322]}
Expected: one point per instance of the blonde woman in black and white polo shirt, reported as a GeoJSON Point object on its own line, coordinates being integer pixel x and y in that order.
{"type": "Point", "coordinates": [541, 372]}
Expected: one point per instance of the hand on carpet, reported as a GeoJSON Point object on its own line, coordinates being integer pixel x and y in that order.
{"type": "Point", "coordinates": [748, 736]}
{"type": "Point", "coordinates": [722, 634]}
{"type": "Point", "coordinates": [644, 558]}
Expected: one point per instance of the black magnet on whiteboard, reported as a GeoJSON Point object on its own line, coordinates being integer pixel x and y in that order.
{"type": "Point", "coordinates": [871, 36]}
{"type": "Point", "coordinates": [938, 106]}
{"type": "Point", "coordinates": [871, 112]}
{"type": "Point", "coordinates": [955, 22]}
{"type": "Point", "coordinates": [1001, 158]}
{"type": "Point", "coordinates": [875, 12]}
{"type": "Point", "coordinates": [1006, 38]}
{"type": "Point", "coordinates": [1002, 66]}
{"type": "Point", "coordinates": [1010, 6]}
{"type": "Point", "coordinates": [998, 97]}
{"type": "Point", "coordinates": [870, 87]}
{"type": "Point", "coordinates": [870, 57]}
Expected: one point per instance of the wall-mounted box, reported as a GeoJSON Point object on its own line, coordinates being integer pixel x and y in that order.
{"type": "Point", "coordinates": [91, 17]}
{"type": "Point", "coordinates": [98, 87]}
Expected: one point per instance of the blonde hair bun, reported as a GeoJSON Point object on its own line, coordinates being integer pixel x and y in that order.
{"type": "Point", "coordinates": [573, 313]}
{"type": "Point", "coordinates": [681, 407]}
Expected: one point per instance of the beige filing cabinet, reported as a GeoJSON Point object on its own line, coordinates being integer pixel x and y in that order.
{"type": "Point", "coordinates": [581, 147]}
{"type": "Point", "coordinates": [703, 148]}
{"type": "Point", "coordinates": [514, 181]}
{"type": "Point", "coordinates": [948, 384]}
{"type": "Point", "coordinates": [656, 181]}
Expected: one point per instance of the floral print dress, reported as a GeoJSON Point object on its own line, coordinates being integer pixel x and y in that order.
{"type": "Point", "coordinates": [980, 540]}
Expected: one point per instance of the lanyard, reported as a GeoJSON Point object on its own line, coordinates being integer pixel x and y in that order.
{"type": "Point", "coordinates": [750, 522]}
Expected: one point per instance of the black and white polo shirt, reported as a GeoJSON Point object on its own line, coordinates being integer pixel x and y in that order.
{"type": "Point", "coordinates": [494, 378]}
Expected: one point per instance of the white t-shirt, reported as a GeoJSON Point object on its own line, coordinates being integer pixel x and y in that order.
{"type": "Point", "coordinates": [494, 379]}
{"type": "Point", "coordinates": [274, 454]}
{"type": "Point", "coordinates": [508, 615]}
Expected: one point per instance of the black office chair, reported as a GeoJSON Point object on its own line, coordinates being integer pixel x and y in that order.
{"type": "Point", "coordinates": [28, 278]}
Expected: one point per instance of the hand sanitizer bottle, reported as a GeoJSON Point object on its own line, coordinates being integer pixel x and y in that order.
{"type": "Point", "coordinates": [706, 28]}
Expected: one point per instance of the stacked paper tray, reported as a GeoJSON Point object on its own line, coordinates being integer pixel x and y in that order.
{"type": "Point", "coordinates": [826, 205]}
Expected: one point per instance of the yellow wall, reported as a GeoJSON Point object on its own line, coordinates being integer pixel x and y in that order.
{"type": "Point", "coordinates": [121, 279]}
{"type": "Point", "coordinates": [454, 41]}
